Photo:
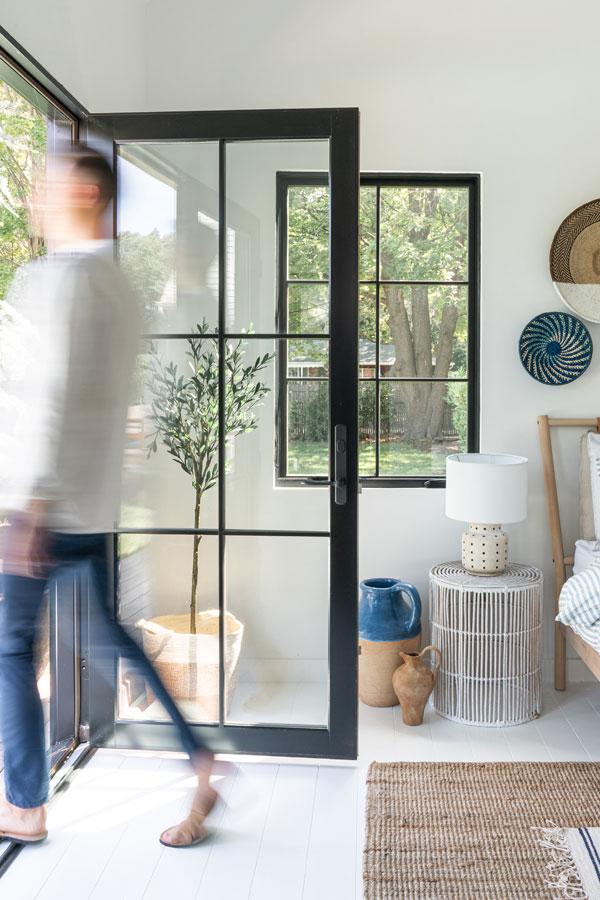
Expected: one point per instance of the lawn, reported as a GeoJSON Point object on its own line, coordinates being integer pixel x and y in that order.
{"type": "Point", "coordinates": [305, 458]}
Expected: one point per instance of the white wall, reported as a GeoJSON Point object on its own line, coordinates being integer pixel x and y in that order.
{"type": "Point", "coordinates": [508, 90]}
{"type": "Point", "coordinates": [96, 50]}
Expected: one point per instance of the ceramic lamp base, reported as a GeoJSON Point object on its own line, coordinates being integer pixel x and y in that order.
{"type": "Point", "coordinates": [485, 549]}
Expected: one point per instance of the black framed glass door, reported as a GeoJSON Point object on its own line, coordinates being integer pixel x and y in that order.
{"type": "Point", "coordinates": [242, 591]}
{"type": "Point", "coordinates": [35, 125]}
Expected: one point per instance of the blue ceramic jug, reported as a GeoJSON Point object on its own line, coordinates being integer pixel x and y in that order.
{"type": "Point", "coordinates": [389, 610]}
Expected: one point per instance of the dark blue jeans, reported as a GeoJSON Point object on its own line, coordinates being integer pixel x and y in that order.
{"type": "Point", "coordinates": [21, 713]}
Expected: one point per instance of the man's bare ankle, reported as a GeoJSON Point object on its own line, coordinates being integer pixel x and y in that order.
{"type": "Point", "coordinates": [25, 812]}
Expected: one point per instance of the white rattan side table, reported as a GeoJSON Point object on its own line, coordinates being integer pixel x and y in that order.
{"type": "Point", "coordinates": [489, 630]}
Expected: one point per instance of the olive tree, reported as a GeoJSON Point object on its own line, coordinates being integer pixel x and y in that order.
{"type": "Point", "coordinates": [185, 414]}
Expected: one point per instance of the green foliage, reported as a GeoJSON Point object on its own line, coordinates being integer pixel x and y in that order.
{"type": "Point", "coordinates": [185, 412]}
{"type": "Point", "coordinates": [308, 411]}
{"type": "Point", "coordinates": [422, 328]}
{"type": "Point", "coordinates": [457, 398]}
{"type": "Point", "coordinates": [308, 232]}
{"type": "Point", "coordinates": [22, 153]}
{"type": "Point", "coordinates": [185, 408]}
{"type": "Point", "coordinates": [147, 261]}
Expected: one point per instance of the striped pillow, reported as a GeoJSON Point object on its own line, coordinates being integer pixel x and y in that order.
{"type": "Point", "coordinates": [579, 601]}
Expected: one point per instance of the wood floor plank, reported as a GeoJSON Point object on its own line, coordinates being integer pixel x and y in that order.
{"type": "Point", "coordinates": [281, 861]}
{"type": "Point", "coordinates": [186, 870]}
{"type": "Point", "coordinates": [489, 744]}
{"type": "Point", "coordinates": [333, 854]}
{"type": "Point", "coordinates": [27, 877]}
{"type": "Point", "coordinates": [450, 740]}
{"type": "Point", "coordinates": [236, 846]}
{"type": "Point", "coordinates": [585, 722]}
{"type": "Point", "coordinates": [154, 794]}
{"type": "Point", "coordinates": [414, 742]}
{"type": "Point", "coordinates": [562, 742]}
{"type": "Point", "coordinates": [290, 831]}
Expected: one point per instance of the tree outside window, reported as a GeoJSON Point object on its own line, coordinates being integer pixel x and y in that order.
{"type": "Point", "coordinates": [417, 329]}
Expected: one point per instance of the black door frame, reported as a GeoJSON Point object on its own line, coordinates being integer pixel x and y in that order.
{"type": "Point", "coordinates": [341, 128]}
{"type": "Point", "coordinates": [62, 595]}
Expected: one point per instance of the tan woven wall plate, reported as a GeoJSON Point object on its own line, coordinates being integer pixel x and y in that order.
{"type": "Point", "coordinates": [575, 261]}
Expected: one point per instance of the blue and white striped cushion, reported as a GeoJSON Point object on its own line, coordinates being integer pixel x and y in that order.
{"type": "Point", "coordinates": [579, 602]}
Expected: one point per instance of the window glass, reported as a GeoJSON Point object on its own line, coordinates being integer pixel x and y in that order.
{"type": "Point", "coordinates": [416, 287]}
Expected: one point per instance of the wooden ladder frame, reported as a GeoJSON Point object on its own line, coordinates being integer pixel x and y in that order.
{"type": "Point", "coordinates": [561, 561]}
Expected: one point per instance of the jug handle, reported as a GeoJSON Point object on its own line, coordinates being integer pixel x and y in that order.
{"type": "Point", "coordinates": [403, 587]}
{"type": "Point", "coordinates": [438, 654]}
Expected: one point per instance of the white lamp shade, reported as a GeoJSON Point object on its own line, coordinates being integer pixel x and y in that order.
{"type": "Point", "coordinates": [486, 488]}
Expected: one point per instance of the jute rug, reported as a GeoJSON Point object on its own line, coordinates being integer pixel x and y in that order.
{"type": "Point", "coordinates": [442, 830]}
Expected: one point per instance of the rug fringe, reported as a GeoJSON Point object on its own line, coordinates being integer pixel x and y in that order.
{"type": "Point", "coordinates": [562, 871]}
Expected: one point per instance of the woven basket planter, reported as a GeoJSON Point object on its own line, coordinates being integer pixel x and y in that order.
{"type": "Point", "coordinates": [188, 664]}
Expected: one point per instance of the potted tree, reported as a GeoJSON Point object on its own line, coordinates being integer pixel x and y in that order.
{"type": "Point", "coordinates": [185, 414]}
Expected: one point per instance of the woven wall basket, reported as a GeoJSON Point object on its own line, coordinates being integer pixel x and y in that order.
{"type": "Point", "coordinates": [188, 664]}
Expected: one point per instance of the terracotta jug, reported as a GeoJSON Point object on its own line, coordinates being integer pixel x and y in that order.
{"type": "Point", "coordinates": [413, 682]}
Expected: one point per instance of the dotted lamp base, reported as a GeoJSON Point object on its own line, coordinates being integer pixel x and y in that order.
{"type": "Point", "coordinates": [485, 550]}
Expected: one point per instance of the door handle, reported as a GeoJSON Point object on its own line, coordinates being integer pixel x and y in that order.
{"type": "Point", "coordinates": [340, 467]}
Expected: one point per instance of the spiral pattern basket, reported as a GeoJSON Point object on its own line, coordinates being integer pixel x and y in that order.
{"type": "Point", "coordinates": [555, 348]}
{"type": "Point", "coordinates": [489, 630]}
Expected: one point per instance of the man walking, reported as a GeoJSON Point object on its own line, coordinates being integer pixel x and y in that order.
{"type": "Point", "coordinates": [69, 346]}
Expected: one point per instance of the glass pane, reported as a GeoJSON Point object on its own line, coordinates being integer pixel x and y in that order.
{"type": "Point", "coordinates": [156, 578]}
{"type": "Point", "coordinates": [421, 423]}
{"type": "Point", "coordinates": [308, 359]}
{"type": "Point", "coordinates": [257, 407]}
{"type": "Point", "coordinates": [172, 437]}
{"type": "Point", "coordinates": [367, 427]}
{"type": "Point", "coordinates": [278, 588]}
{"type": "Point", "coordinates": [308, 308]}
{"type": "Point", "coordinates": [168, 227]}
{"type": "Point", "coordinates": [308, 232]}
{"type": "Point", "coordinates": [252, 174]}
{"type": "Point", "coordinates": [30, 129]}
{"type": "Point", "coordinates": [308, 428]}
{"type": "Point", "coordinates": [424, 233]}
{"type": "Point", "coordinates": [423, 330]}
{"type": "Point", "coordinates": [367, 324]}
{"type": "Point", "coordinates": [367, 237]}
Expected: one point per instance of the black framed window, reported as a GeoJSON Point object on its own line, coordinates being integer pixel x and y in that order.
{"type": "Point", "coordinates": [418, 326]}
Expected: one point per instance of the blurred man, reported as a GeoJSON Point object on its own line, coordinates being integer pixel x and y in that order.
{"type": "Point", "coordinates": [68, 349]}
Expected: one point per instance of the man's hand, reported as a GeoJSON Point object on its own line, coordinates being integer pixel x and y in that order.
{"type": "Point", "coordinates": [24, 545]}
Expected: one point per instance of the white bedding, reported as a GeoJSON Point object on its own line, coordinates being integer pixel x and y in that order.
{"type": "Point", "coordinates": [586, 552]}
{"type": "Point", "coordinates": [579, 602]}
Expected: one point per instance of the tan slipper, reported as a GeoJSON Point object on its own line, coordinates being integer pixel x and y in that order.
{"type": "Point", "coordinates": [191, 831]}
{"type": "Point", "coordinates": [181, 836]}
{"type": "Point", "coordinates": [24, 838]}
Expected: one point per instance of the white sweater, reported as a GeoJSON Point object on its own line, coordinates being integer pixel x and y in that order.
{"type": "Point", "coordinates": [67, 349]}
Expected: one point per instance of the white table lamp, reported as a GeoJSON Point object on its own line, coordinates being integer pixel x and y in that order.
{"type": "Point", "coordinates": [486, 490]}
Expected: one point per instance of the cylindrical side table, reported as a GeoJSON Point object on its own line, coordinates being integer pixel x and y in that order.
{"type": "Point", "coordinates": [489, 630]}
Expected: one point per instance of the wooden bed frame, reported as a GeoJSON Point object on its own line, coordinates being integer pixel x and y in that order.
{"type": "Point", "coordinates": [562, 633]}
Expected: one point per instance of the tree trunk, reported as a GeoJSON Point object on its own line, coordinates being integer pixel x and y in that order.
{"type": "Point", "coordinates": [423, 401]}
{"type": "Point", "coordinates": [413, 354]}
{"type": "Point", "coordinates": [197, 539]}
{"type": "Point", "coordinates": [435, 412]}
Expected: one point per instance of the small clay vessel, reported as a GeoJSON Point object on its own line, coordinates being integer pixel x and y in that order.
{"type": "Point", "coordinates": [413, 682]}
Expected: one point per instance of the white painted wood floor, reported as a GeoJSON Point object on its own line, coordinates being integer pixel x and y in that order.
{"type": "Point", "coordinates": [290, 831]}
